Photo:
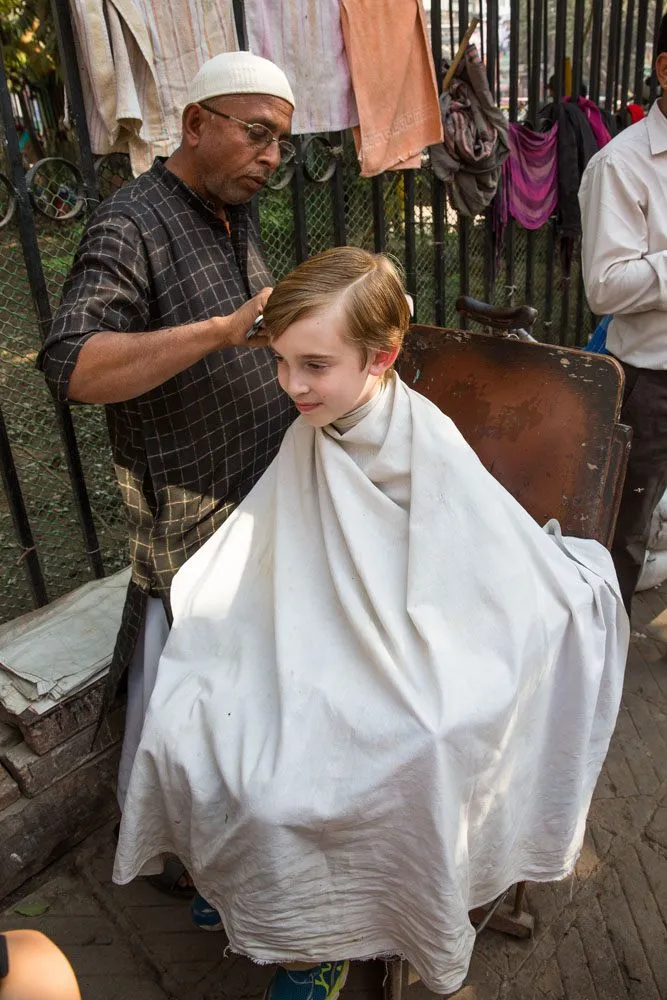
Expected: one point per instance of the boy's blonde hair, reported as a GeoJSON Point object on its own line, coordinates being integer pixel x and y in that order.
{"type": "Point", "coordinates": [368, 286]}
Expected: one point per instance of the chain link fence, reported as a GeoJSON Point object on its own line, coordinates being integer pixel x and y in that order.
{"type": "Point", "coordinates": [59, 214]}
{"type": "Point", "coordinates": [30, 418]}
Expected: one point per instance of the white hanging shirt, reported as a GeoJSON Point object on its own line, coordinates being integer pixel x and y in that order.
{"type": "Point", "coordinates": [305, 38]}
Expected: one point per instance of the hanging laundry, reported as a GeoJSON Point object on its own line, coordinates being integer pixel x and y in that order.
{"type": "Point", "coordinates": [475, 143]}
{"type": "Point", "coordinates": [576, 145]}
{"type": "Point", "coordinates": [609, 121]}
{"type": "Point", "coordinates": [394, 82]}
{"type": "Point", "coordinates": [305, 38]}
{"type": "Point", "coordinates": [635, 113]}
{"type": "Point", "coordinates": [530, 176]}
{"type": "Point", "coordinates": [136, 59]}
{"type": "Point", "coordinates": [595, 120]}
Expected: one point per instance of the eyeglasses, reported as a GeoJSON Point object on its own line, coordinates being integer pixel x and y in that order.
{"type": "Point", "coordinates": [258, 135]}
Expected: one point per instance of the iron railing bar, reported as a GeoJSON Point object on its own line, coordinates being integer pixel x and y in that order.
{"type": "Point", "coordinates": [337, 140]}
{"type": "Point", "coordinates": [536, 15]}
{"type": "Point", "coordinates": [66, 46]}
{"type": "Point", "coordinates": [529, 49]}
{"type": "Point", "coordinates": [410, 239]}
{"type": "Point", "coordinates": [40, 295]}
{"type": "Point", "coordinates": [610, 96]}
{"type": "Point", "coordinates": [559, 50]}
{"type": "Point", "coordinates": [552, 244]}
{"type": "Point", "coordinates": [640, 51]}
{"type": "Point", "coordinates": [617, 30]}
{"type": "Point", "coordinates": [379, 226]}
{"type": "Point", "coordinates": [482, 29]}
{"type": "Point", "coordinates": [20, 519]}
{"type": "Point", "coordinates": [580, 339]}
{"type": "Point", "coordinates": [463, 222]}
{"type": "Point", "coordinates": [238, 8]}
{"type": "Point", "coordinates": [492, 63]}
{"type": "Point", "coordinates": [545, 51]}
{"type": "Point", "coordinates": [437, 186]}
{"type": "Point", "coordinates": [627, 52]}
{"type": "Point", "coordinates": [298, 186]}
{"type": "Point", "coordinates": [656, 31]}
{"type": "Point", "coordinates": [510, 230]}
{"type": "Point", "coordinates": [596, 52]}
{"type": "Point", "coordinates": [578, 48]}
{"type": "Point", "coordinates": [534, 83]}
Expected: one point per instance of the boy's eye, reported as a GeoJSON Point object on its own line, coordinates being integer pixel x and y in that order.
{"type": "Point", "coordinates": [316, 366]}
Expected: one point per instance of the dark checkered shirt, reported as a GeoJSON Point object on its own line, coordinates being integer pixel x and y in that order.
{"type": "Point", "coordinates": [154, 255]}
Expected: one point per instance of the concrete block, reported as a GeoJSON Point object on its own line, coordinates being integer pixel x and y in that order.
{"type": "Point", "coordinates": [35, 832]}
{"type": "Point", "coordinates": [9, 790]}
{"type": "Point", "coordinates": [35, 773]}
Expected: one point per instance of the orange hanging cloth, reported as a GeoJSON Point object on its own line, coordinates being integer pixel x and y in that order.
{"type": "Point", "coordinates": [394, 83]}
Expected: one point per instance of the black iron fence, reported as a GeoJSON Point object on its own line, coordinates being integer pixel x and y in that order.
{"type": "Point", "coordinates": [61, 520]}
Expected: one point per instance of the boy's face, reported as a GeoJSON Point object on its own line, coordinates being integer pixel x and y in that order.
{"type": "Point", "coordinates": [322, 372]}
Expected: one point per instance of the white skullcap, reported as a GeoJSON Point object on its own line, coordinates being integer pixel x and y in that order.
{"type": "Point", "coordinates": [239, 73]}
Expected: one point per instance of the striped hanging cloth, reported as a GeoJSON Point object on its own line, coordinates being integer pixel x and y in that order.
{"type": "Point", "coordinates": [530, 176]}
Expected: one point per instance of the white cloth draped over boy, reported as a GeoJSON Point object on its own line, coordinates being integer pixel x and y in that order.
{"type": "Point", "coordinates": [386, 697]}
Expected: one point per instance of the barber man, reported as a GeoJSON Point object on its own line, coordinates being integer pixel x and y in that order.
{"type": "Point", "coordinates": [167, 281]}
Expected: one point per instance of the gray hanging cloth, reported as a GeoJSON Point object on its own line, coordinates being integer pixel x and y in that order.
{"type": "Point", "coordinates": [470, 158]}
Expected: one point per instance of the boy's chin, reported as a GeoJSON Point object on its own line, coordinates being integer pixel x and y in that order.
{"type": "Point", "coordinates": [319, 418]}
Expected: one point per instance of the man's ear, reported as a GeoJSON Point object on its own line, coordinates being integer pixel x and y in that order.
{"type": "Point", "coordinates": [382, 361]}
{"type": "Point", "coordinates": [661, 70]}
{"type": "Point", "coordinates": [193, 122]}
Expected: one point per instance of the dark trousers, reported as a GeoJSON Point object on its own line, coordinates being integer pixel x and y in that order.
{"type": "Point", "coordinates": [645, 410]}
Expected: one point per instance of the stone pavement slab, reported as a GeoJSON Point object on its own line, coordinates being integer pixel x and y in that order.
{"type": "Point", "coordinates": [599, 935]}
{"type": "Point", "coordinates": [107, 962]}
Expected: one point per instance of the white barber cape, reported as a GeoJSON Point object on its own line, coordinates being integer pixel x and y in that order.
{"type": "Point", "coordinates": [386, 696]}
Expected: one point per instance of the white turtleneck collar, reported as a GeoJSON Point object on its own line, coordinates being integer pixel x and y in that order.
{"type": "Point", "coordinates": [351, 419]}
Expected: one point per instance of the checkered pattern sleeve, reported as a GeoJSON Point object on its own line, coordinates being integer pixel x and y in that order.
{"type": "Point", "coordinates": [107, 289]}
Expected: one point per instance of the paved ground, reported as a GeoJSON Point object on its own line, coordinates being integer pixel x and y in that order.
{"type": "Point", "coordinates": [602, 935]}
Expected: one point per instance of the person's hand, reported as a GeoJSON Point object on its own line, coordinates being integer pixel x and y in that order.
{"type": "Point", "coordinates": [234, 328]}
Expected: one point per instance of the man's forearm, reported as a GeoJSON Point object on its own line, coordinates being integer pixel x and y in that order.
{"type": "Point", "coordinates": [627, 286]}
{"type": "Point", "coordinates": [621, 274]}
{"type": "Point", "coordinates": [113, 367]}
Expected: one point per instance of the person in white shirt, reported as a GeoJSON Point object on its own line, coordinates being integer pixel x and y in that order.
{"type": "Point", "coordinates": [623, 198]}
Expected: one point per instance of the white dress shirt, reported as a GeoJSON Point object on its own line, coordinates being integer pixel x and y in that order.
{"type": "Point", "coordinates": [623, 199]}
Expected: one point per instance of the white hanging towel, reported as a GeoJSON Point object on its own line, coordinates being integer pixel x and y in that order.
{"type": "Point", "coordinates": [136, 59]}
{"type": "Point", "coordinates": [386, 697]}
{"type": "Point", "coordinates": [305, 38]}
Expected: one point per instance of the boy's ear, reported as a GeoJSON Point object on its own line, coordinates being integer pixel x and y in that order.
{"type": "Point", "coordinates": [382, 361]}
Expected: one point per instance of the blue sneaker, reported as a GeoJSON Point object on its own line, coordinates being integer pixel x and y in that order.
{"type": "Point", "coordinates": [322, 982]}
{"type": "Point", "coordinates": [204, 915]}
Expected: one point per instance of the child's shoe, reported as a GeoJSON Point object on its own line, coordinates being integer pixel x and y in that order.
{"type": "Point", "coordinates": [322, 982]}
{"type": "Point", "coordinates": [204, 915]}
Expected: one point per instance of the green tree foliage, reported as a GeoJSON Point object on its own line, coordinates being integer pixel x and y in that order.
{"type": "Point", "coordinates": [30, 56]}
{"type": "Point", "coordinates": [28, 42]}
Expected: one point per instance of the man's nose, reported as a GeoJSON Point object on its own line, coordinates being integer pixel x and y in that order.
{"type": "Point", "coordinates": [270, 155]}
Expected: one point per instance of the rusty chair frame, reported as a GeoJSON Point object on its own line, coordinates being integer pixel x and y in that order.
{"type": "Point", "coordinates": [544, 420]}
